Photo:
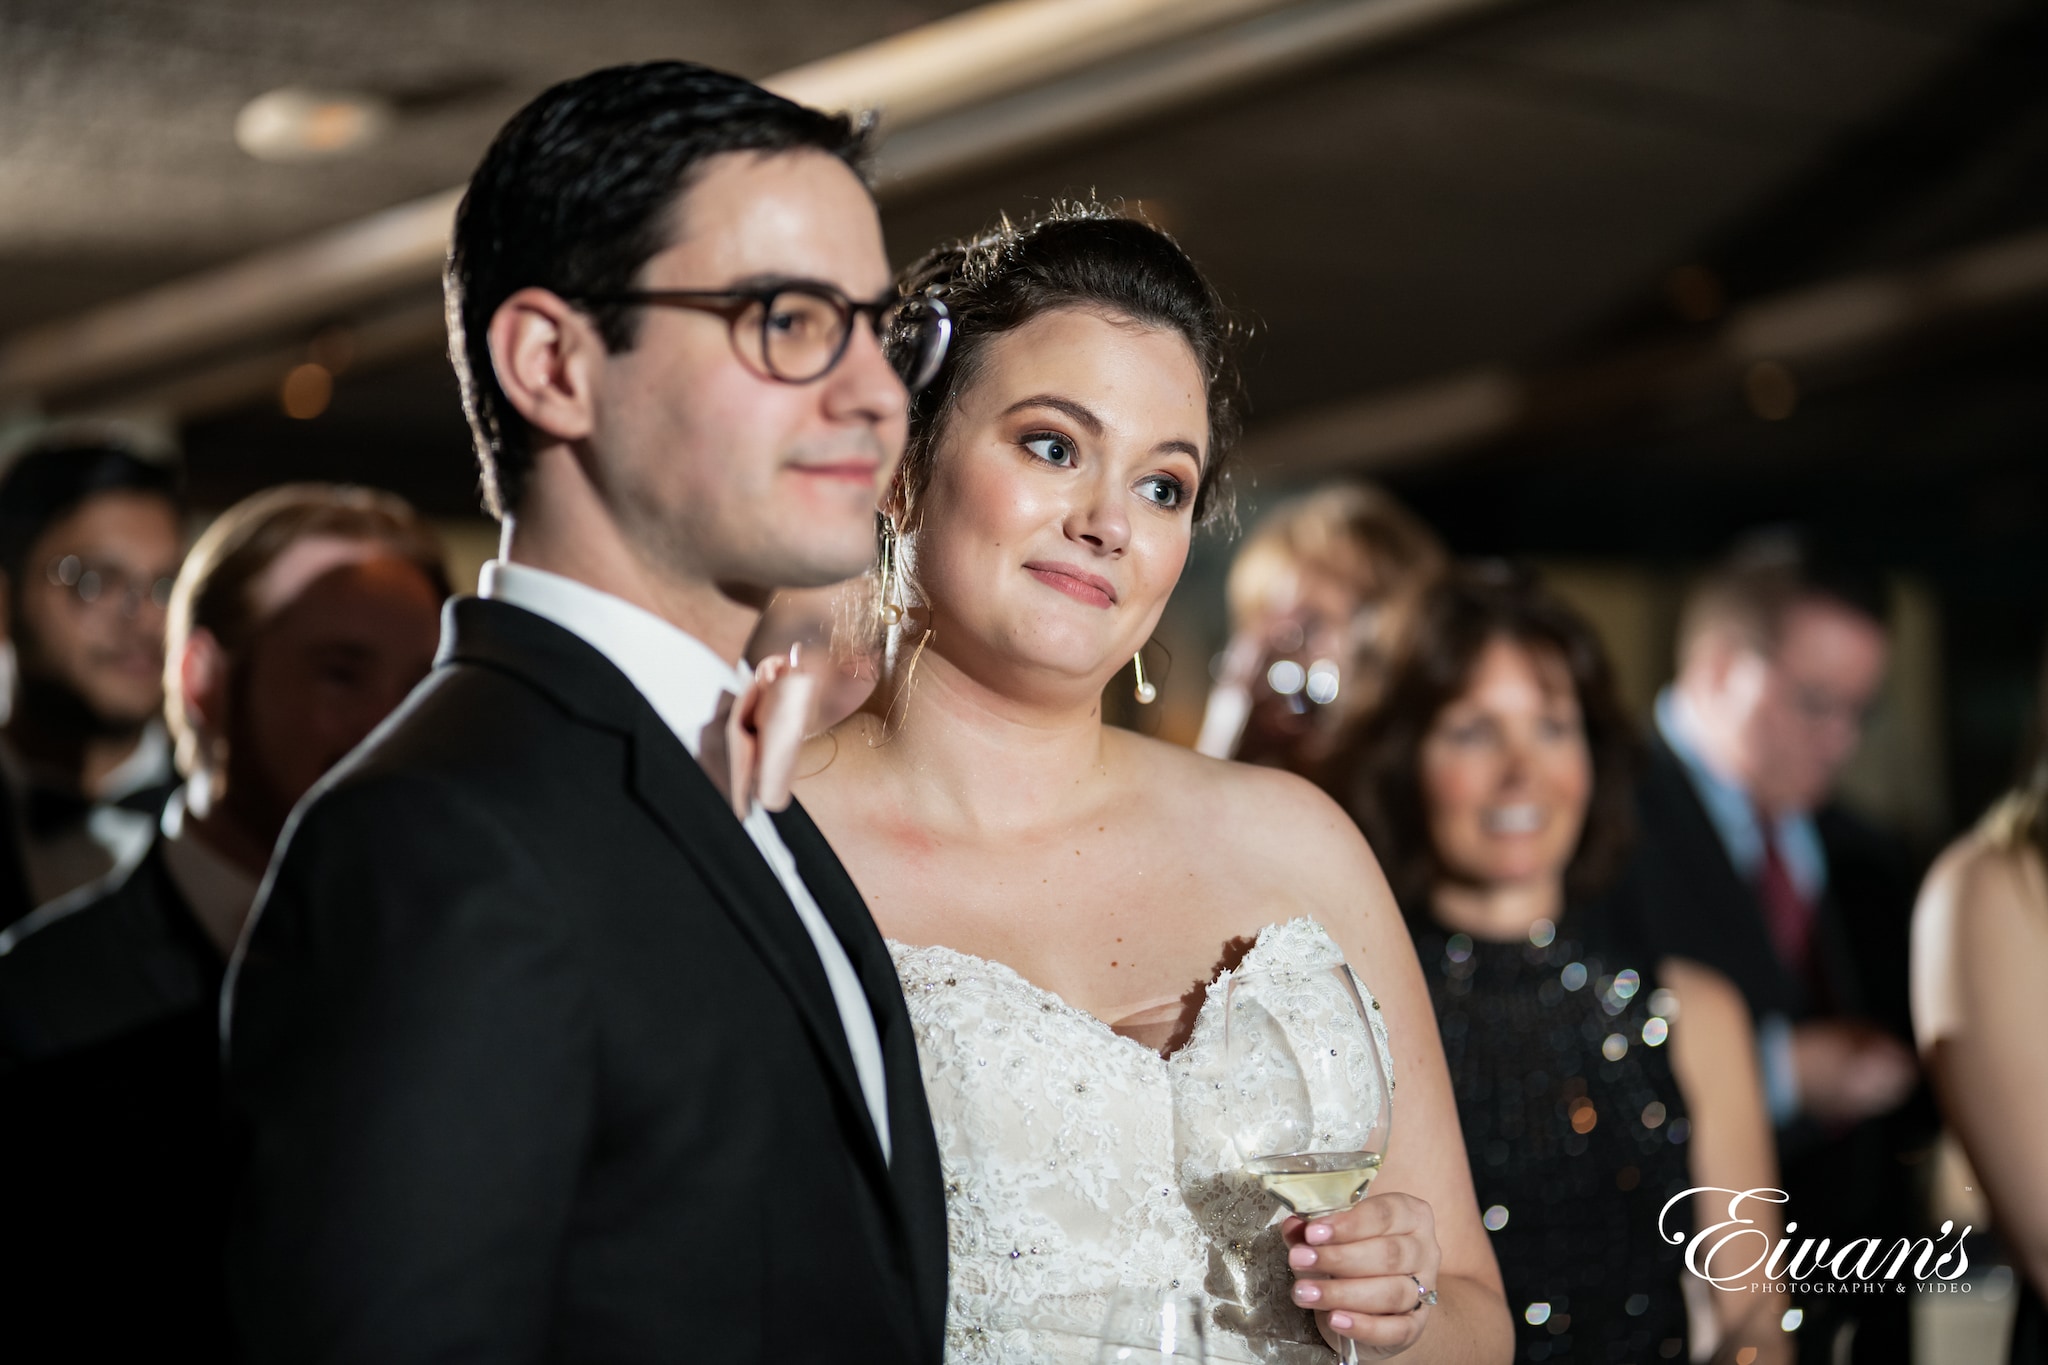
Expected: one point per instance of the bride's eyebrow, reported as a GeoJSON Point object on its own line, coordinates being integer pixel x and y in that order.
{"type": "Point", "coordinates": [1078, 412]}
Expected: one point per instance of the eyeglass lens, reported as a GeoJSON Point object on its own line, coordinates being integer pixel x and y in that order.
{"type": "Point", "coordinates": [802, 334]}
{"type": "Point", "coordinates": [93, 583]}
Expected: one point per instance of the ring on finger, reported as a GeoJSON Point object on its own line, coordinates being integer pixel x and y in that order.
{"type": "Point", "coordinates": [1425, 1297]}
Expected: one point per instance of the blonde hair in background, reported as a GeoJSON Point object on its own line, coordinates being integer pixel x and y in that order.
{"type": "Point", "coordinates": [1359, 537]}
{"type": "Point", "coordinates": [214, 588]}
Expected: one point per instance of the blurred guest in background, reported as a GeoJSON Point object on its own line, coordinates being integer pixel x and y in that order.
{"type": "Point", "coordinates": [90, 537]}
{"type": "Point", "coordinates": [1321, 596]}
{"type": "Point", "coordinates": [304, 616]}
{"type": "Point", "coordinates": [1745, 864]}
{"type": "Point", "coordinates": [1980, 956]}
{"type": "Point", "coordinates": [1494, 782]}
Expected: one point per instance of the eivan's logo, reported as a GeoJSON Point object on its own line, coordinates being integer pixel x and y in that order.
{"type": "Point", "coordinates": [1716, 1254]}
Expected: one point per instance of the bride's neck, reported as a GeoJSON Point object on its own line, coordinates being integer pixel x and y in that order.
{"type": "Point", "coordinates": [988, 759]}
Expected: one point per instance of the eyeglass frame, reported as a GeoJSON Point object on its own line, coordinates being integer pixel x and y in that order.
{"type": "Point", "coordinates": [732, 304]}
{"type": "Point", "coordinates": [131, 590]}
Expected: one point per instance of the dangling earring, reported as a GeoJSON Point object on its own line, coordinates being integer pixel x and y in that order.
{"type": "Point", "coordinates": [1145, 692]}
{"type": "Point", "coordinates": [889, 605]}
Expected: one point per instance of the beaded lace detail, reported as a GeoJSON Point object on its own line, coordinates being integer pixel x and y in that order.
{"type": "Point", "coordinates": [1077, 1161]}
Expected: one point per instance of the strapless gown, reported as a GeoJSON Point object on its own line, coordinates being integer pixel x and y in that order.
{"type": "Point", "coordinates": [1078, 1161]}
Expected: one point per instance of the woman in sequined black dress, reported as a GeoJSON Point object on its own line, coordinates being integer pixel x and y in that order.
{"type": "Point", "coordinates": [1494, 783]}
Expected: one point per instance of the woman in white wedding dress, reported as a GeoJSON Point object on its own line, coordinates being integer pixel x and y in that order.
{"type": "Point", "coordinates": [1063, 898]}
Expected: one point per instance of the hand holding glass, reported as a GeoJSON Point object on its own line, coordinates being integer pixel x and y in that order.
{"type": "Point", "coordinates": [1307, 1087]}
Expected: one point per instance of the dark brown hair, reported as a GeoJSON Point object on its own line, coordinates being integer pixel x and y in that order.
{"type": "Point", "coordinates": [1378, 776]}
{"type": "Point", "coordinates": [213, 591]}
{"type": "Point", "coordinates": [1075, 256]}
{"type": "Point", "coordinates": [577, 193]}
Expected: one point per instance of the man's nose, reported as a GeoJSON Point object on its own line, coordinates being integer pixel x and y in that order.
{"type": "Point", "coordinates": [864, 386]}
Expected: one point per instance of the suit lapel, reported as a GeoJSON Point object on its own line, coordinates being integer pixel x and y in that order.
{"type": "Point", "coordinates": [672, 788]}
{"type": "Point", "coordinates": [1752, 960]}
{"type": "Point", "coordinates": [675, 792]}
{"type": "Point", "coordinates": [914, 1166]}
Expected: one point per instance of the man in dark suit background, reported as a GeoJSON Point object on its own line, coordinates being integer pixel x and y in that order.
{"type": "Point", "coordinates": [91, 535]}
{"type": "Point", "coordinates": [1744, 862]}
{"type": "Point", "coordinates": [300, 620]}
{"type": "Point", "coordinates": [543, 1053]}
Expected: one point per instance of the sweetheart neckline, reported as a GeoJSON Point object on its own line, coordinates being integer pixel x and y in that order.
{"type": "Point", "coordinates": [1062, 1003]}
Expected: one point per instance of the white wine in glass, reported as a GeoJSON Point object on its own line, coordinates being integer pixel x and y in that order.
{"type": "Point", "coordinates": [1309, 1094]}
{"type": "Point", "coordinates": [1316, 1183]}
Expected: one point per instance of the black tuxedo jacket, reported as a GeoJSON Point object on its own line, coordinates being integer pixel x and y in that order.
{"type": "Point", "coordinates": [112, 1212]}
{"type": "Point", "coordinates": [1685, 898]}
{"type": "Point", "coordinates": [537, 1062]}
{"type": "Point", "coordinates": [14, 899]}
{"type": "Point", "coordinates": [1681, 896]}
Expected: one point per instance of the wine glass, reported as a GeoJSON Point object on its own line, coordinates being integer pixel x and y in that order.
{"type": "Point", "coordinates": [1307, 1089]}
{"type": "Point", "coordinates": [1161, 1326]}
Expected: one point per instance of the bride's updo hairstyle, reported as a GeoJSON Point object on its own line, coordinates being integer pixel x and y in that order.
{"type": "Point", "coordinates": [1082, 256]}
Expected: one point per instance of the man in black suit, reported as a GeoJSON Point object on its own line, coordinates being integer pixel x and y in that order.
{"type": "Point", "coordinates": [91, 533]}
{"type": "Point", "coordinates": [1744, 862]}
{"type": "Point", "coordinates": [300, 620]}
{"type": "Point", "coordinates": [543, 1053]}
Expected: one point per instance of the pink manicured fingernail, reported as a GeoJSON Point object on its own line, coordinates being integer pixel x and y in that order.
{"type": "Point", "coordinates": [1317, 1233]}
{"type": "Point", "coordinates": [1340, 1321]}
{"type": "Point", "coordinates": [1301, 1258]}
{"type": "Point", "coordinates": [1307, 1293]}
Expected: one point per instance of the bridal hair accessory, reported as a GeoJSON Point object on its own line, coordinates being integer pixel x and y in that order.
{"type": "Point", "coordinates": [1424, 1298]}
{"type": "Point", "coordinates": [889, 601]}
{"type": "Point", "coordinates": [1145, 692]}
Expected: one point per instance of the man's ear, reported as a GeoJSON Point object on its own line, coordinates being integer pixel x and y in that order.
{"type": "Point", "coordinates": [203, 682]}
{"type": "Point", "coordinates": [545, 352]}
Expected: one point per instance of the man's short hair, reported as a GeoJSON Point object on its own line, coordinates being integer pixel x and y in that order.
{"type": "Point", "coordinates": [54, 476]}
{"type": "Point", "coordinates": [577, 194]}
{"type": "Point", "coordinates": [1763, 578]}
{"type": "Point", "coordinates": [214, 589]}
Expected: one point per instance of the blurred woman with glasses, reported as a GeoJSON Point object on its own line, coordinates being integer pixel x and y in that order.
{"type": "Point", "coordinates": [1322, 595]}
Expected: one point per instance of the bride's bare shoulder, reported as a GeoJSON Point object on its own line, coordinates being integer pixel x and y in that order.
{"type": "Point", "coordinates": [1270, 816]}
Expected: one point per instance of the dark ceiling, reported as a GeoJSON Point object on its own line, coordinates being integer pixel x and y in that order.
{"type": "Point", "coordinates": [1514, 192]}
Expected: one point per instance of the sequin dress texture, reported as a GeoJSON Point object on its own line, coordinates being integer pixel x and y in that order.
{"type": "Point", "coordinates": [1577, 1136]}
{"type": "Point", "coordinates": [1077, 1161]}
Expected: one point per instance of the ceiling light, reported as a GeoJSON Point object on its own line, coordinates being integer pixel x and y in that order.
{"type": "Point", "coordinates": [297, 124]}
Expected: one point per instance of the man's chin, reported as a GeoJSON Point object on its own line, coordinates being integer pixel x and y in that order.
{"type": "Point", "coordinates": [118, 716]}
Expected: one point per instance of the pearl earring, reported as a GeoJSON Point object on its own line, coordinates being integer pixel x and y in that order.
{"type": "Point", "coordinates": [1145, 692]}
{"type": "Point", "coordinates": [889, 605]}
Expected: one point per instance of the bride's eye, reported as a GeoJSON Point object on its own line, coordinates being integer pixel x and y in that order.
{"type": "Point", "coordinates": [1163, 490]}
{"type": "Point", "coordinates": [1054, 450]}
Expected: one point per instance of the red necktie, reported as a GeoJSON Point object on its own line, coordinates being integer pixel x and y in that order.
{"type": "Point", "coordinates": [1788, 914]}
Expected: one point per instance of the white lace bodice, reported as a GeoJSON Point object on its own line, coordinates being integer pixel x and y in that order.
{"type": "Point", "coordinates": [1077, 1160]}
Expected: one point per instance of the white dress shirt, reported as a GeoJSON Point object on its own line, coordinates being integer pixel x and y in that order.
{"type": "Point", "coordinates": [219, 892]}
{"type": "Point", "coordinates": [683, 680]}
